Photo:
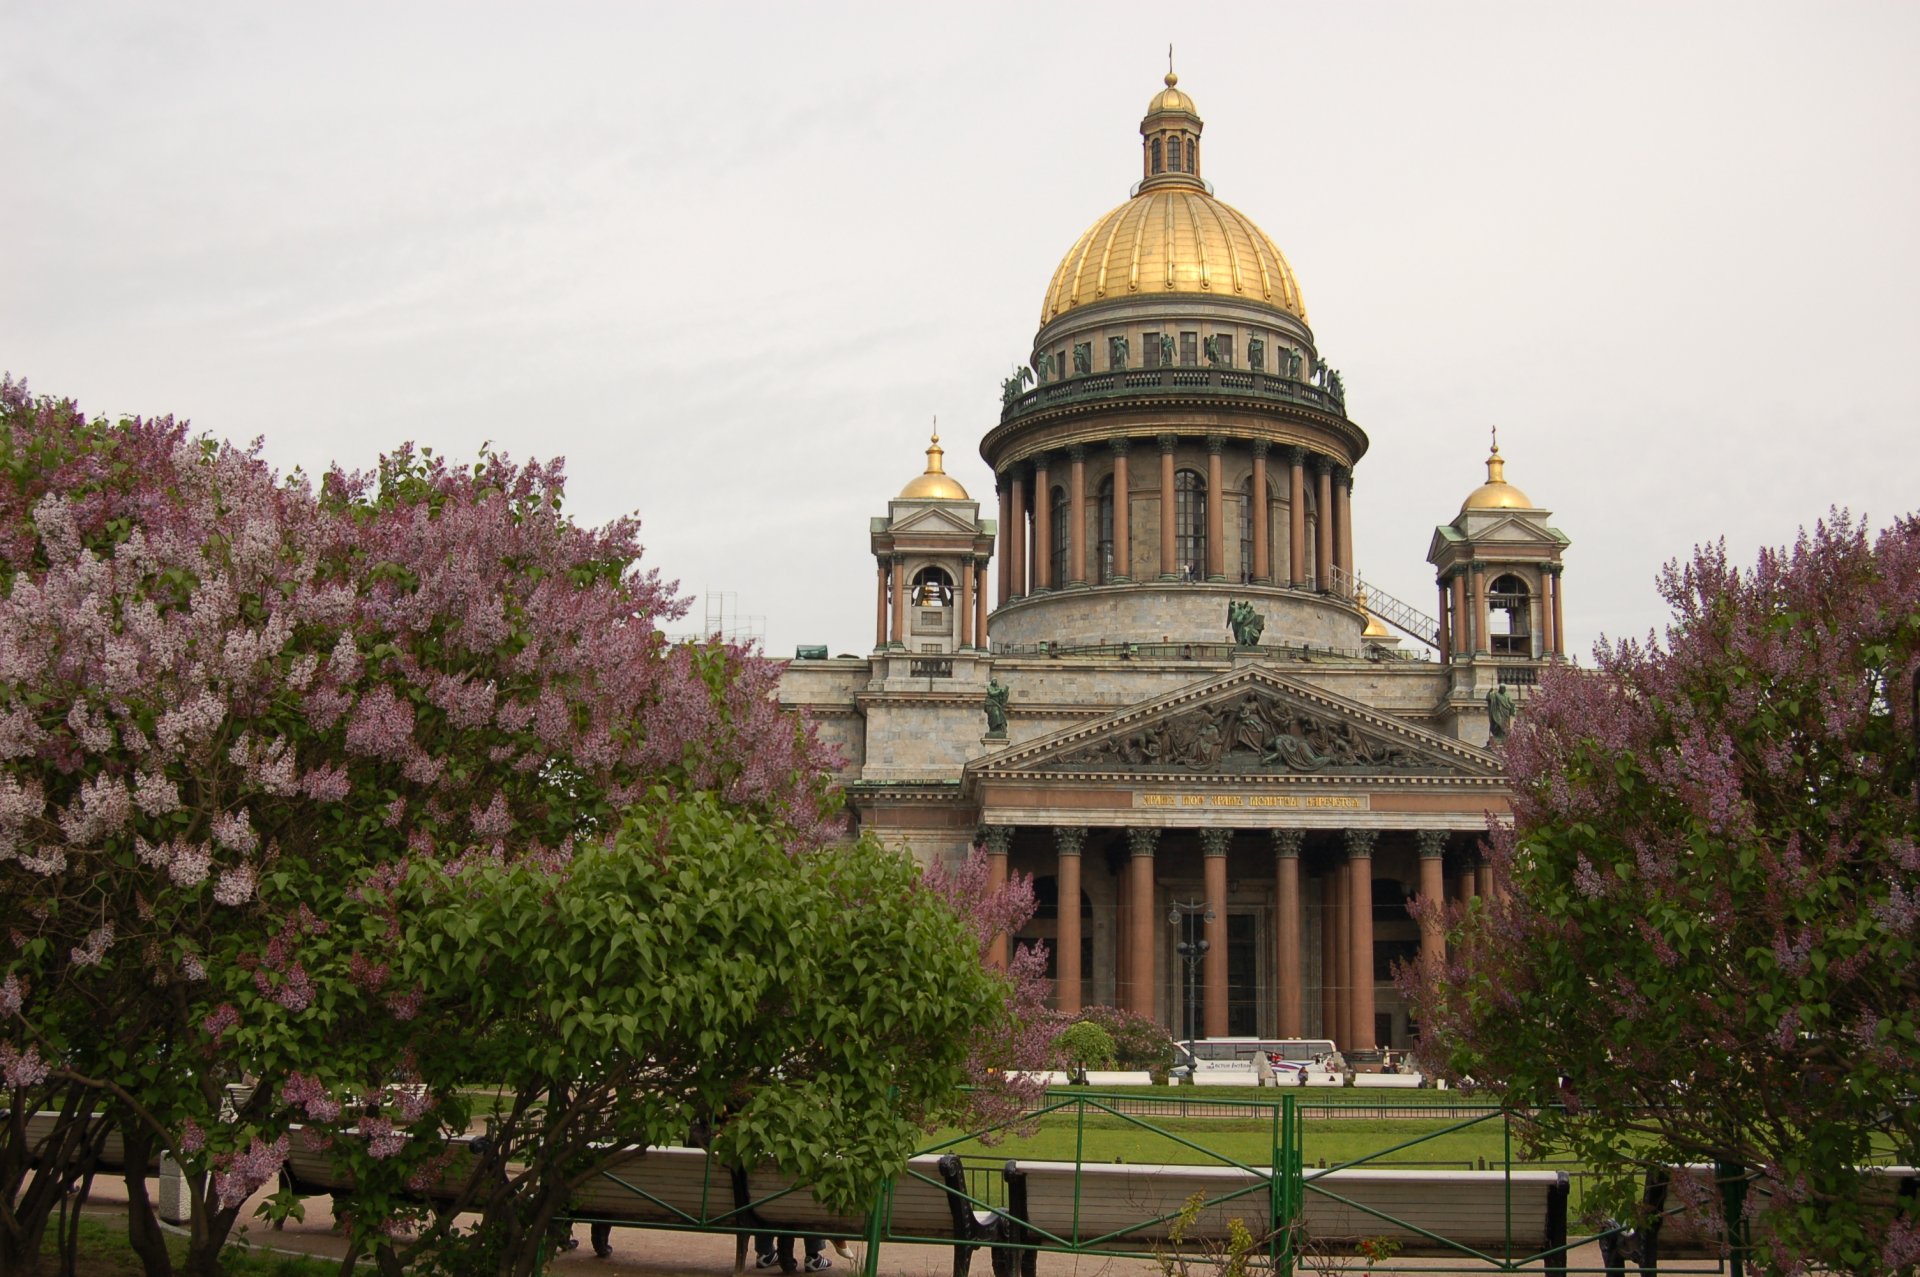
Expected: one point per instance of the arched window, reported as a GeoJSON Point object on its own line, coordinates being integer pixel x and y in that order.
{"type": "Point", "coordinates": [1173, 154]}
{"type": "Point", "coordinates": [932, 587]}
{"type": "Point", "coordinates": [1246, 529]}
{"type": "Point", "coordinates": [1156, 155]}
{"type": "Point", "coordinates": [1509, 611]}
{"type": "Point", "coordinates": [1059, 531]}
{"type": "Point", "coordinates": [1190, 525]}
{"type": "Point", "coordinates": [1104, 502]}
{"type": "Point", "coordinates": [1193, 153]}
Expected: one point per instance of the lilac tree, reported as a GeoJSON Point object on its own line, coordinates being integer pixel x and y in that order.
{"type": "Point", "coordinates": [232, 707]}
{"type": "Point", "coordinates": [1704, 943]}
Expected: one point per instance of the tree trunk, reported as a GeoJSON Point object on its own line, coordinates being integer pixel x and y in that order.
{"type": "Point", "coordinates": [143, 1227]}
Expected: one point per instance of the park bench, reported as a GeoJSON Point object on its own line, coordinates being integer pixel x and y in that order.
{"type": "Point", "coordinates": [1122, 1208]}
{"type": "Point", "coordinates": [112, 1157]}
{"type": "Point", "coordinates": [1676, 1236]}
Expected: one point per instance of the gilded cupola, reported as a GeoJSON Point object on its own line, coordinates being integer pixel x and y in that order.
{"type": "Point", "coordinates": [1172, 236]}
{"type": "Point", "coordinates": [1496, 493]}
{"type": "Point", "coordinates": [935, 484]}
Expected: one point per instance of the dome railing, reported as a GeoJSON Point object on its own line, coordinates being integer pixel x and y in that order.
{"type": "Point", "coordinates": [1177, 379]}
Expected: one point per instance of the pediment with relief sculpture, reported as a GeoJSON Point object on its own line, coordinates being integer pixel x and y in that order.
{"type": "Point", "coordinates": [1250, 722]}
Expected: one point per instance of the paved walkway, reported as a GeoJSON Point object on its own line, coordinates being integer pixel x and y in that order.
{"type": "Point", "coordinates": [637, 1252]}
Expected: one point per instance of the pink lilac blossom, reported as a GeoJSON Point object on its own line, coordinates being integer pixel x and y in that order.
{"type": "Point", "coordinates": [219, 1020]}
{"type": "Point", "coordinates": [383, 1140]}
{"type": "Point", "coordinates": [189, 864]}
{"type": "Point", "coordinates": [13, 995]}
{"type": "Point", "coordinates": [192, 1138]}
{"type": "Point", "coordinates": [246, 1172]}
{"type": "Point", "coordinates": [235, 886]}
{"type": "Point", "coordinates": [193, 967]}
{"type": "Point", "coordinates": [99, 940]}
{"type": "Point", "coordinates": [22, 1068]}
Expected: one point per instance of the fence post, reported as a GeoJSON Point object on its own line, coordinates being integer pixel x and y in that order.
{"type": "Point", "coordinates": [1284, 1193]}
{"type": "Point", "coordinates": [1733, 1200]}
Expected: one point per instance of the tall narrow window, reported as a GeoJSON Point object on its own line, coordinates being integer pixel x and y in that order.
{"type": "Point", "coordinates": [1189, 349]}
{"type": "Point", "coordinates": [1150, 351]}
{"type": "Point", "coordinates": [1062, 525]}
{"type": "Point", "coordinates": [1104, 503]}
{"type": "Point", "coordinates": [1223, 346]}
{"type": "Point", "coordinates": [1173, 154]}
{"type": "Point", "coordinates": [1190, 524]}
{"type": "Point", "coordinates": [1156, 155]}
{"type": "Point", "coordinates": [1193, 156]}
{"type": "Point", "coordinates": [1508, 617]}
{"type": "Point", "coordinates": [1246, 529]}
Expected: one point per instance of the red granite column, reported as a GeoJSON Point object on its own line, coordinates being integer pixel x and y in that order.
{"type": "Point", "coordinates": [1018, 544]}
{"type": "Point", "coordinates": [1462, 620]}
{"type": "Point", "coordinates": [1077, 519]}
{"type": "Point", "coordinates": [1559, 616]}
{"type": "Point", "coordinates": [1323, 526]}
{"type": "Point", "coordinates": [880, 606]}
{"type": "Point", "coordinates": [1214, 843]}
{"type": "Point", "coordinates": [980, 607]}
{"type": "Point", "coordinates": [899, 601]}
{"type": "Point", "coordinates": [1122, 513]}
{"type": "Point", "coordinates": [1262, 547]}
{"type": "Point", "coordinates": [1343, 511]}
{"type": "Point", "coordinates": [1297, 517]}
{"type": "Point", "coordinates": [1042, 527]}
{"type": "Point", "coordinates": [1066, 988]}
{"type": "Point", "coordinates": [1463, 878]}
{"type": "Point", "coordinates": [1169, 571]}
{"type": "Point", "coordinates": [1216, 567]}
{"type": "Point", "coordinates": [1004, 485]}
{"type": "Point", "coordinates": [963, 618]}
{"type": "Point", "coordinates": [1287, 955]}
{"type": "Point", "coordinates": [1140, 948]}
{"type": "Point", "coordinates": [1483, 877]}
{"type": "Point", "coordinates": [1337, 977]}
{"type": "Point", "coordinates": [1478, 604]}
{"type": "Point", "coordinates": [1360, 910]}
{"type": "Point", "coordinates": [1433, 893]}
{"type": "Point", "coordinates": [999, 839]}
{"type": "Point", "coordinates": [1446, 631]}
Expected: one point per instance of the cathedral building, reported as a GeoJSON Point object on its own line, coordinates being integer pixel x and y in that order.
{"type": "Point", "coordinates": [1173, 699]}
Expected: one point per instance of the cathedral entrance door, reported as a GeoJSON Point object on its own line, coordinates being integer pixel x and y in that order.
{"type": "Point", "coordinates": [1243, 974]}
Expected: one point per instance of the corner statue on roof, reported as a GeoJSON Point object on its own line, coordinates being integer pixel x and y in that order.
{"type": "Point", "coordinates": [1500, 711]}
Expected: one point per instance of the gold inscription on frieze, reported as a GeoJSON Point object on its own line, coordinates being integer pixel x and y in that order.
{"type": "Point", "coordinates": [1280, 802]}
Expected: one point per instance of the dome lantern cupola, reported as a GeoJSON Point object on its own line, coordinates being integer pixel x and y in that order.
{"type": "Point", "coordinates": [1170, 140]}
{"type": "Point", "coordinates": [1496, 493]}
{"type": "Point", "coordinates": [936, 484]}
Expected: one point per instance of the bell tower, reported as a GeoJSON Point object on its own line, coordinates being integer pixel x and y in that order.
{"type": "Point", "coordinates": [931, 551]}
{"type": "Point", "coordinates": [1497, 567]}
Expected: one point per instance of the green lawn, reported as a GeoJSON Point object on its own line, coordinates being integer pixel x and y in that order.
{"type": "Point", "coordinates": [104, 1253]}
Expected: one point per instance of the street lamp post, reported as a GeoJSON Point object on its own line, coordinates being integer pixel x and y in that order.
{"type": "Point", "coordinates": [1193, 952]}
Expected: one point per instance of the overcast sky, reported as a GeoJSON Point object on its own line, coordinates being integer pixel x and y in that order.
{"type": "Point", "coordinates": [730, 260]}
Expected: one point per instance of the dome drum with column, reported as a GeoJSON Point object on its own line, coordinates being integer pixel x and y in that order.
{"type": "Point", "coordinates": [1182, 429]}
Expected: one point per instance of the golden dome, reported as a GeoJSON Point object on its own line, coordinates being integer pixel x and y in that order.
{"type": "Point", "coordinates": [1172, 99]}
{"type": "Point", "coordinates": [1496, 493]}
{"type": "Point", "coordinates": [936, 484]}
{"type": "Point", "coordinates": [1172, 240]}
{"type": "Point", "coordinates": [1374, 629]}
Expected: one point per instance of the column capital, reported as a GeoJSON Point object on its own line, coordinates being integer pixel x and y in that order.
{"type": "Point", "coordinates": [1297, 455]}
{"type": "Point", "coordinates": [1168, 442]}
{"type": "Point", "coordinates": [1141, 842]}
{"type": "Point", "coordinates": [1069, 839]}
{"type": "Point", "coordinates": [1120, 444]}
{"type": "Point", "coordinates": [1214, 842]}
{"type": "Point", "coordinates": [1433, 843]}
{"type": "Point", "coordinates": [1078, 452]}
{"type": "Point", "coordinates": [1287, 842]}
{"type": "Point", "coordinates": [1555, 569]}
{"type": "Point", "coordinates": [1322, 464]}
{"type": "Point", "coordinates": [1042, 460]}
{"type": "Point", "coordinates": [1360, 844]}
{"type": "Point", "coordinates": [996, 839]}
{"type": "Point", "coordinates": [1261, 447]}
{"type": "Point", "coordinates": [1345, 476]}
{"type": "Point", "coordinates": [1216, 444]}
